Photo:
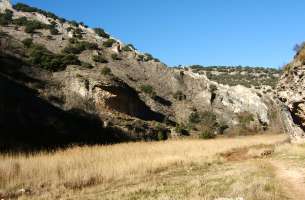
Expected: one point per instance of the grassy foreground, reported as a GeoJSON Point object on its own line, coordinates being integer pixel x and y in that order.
{"type": "Point", "coordinates": [175, 169]}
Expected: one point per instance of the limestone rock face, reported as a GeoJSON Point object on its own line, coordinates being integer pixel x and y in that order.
{"type": "Point", "coordinates": [239, 99]}
{"type": "Point", "coordinates": [5, 4]}
{"type": "Point", "coordinates": [291, 94]}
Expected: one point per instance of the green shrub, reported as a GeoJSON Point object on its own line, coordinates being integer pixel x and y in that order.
{"type": "Point", "coordinates": [148, 57]}
{"type": "Point", "coordinates": [140, 57]}
{"type": "Point", "coordinates": [39, 56]}
{"type": "Point", "coordinates": [27, 42]}
{"type": "Point", "coordinates": [161, 132]}
{"type": "Point", "coordinates": [79, 47]}
{"type": "Point", "coordinates": [162, 135]}
{"type": "Point", "coordinates": [109, 43]}
{"type": "Point", "coordinates": [32, 26]}
{"type": "Point", "coordinates": [99, 59]}
{"type": "Point", "coordinates": [156, 60]}
{"type": "Point", "coordinates": [181, 129]}
{"type": "Point", "coordinates": [6, 17]}
{"type": "Point", "coordinates": [128, 47]}
{"type": "Point", "coordinates": [87, 65]}
{"type": "Point", "coordinates": [74, 49]}
{"type": "Point", "coordinates": [195, 118]}
{"type": "Point", "coordinates": [115, 56]}
{"type": "Point", "coordinates": [148, 89]}
{"type": "Point", "coordinates": [207, 135]}
{"type": "Point", "coordinates": [74, 23]}
{"type": "Point", "coordinates": [106, 71]}
{"type": "Point", "coordinates": [21, 21]}
{"type": "Point", "coordinates": [25, 8]}
{"type": "Point", "coordinates": [100, 32]}
{"type": "Point", "coordinates": [54, 31]}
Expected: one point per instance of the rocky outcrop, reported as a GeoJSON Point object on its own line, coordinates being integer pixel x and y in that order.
{"type": "Point", "coordinates": [290, 91]}
{"type": "Point", "coordinates": [5, 4]}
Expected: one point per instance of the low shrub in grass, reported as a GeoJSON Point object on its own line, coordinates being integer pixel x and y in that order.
{"type": "Point", "coordinates": [162, 132]}
{"type": "Point", "coordinates": [207, 134]}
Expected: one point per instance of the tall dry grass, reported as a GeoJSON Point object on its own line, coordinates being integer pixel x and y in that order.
{"type": "Point", "coordinates": [79, 167]}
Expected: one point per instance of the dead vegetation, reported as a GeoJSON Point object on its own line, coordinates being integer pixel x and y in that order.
{"type": "Point", "coordinates": [141, 170]}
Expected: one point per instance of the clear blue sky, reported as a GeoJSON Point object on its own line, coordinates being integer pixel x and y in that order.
{"type": "Point", "coordinates": [206, 32]}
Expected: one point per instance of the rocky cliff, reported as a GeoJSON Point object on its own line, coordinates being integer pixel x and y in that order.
{"type": "Point", "coordinates": [72, 67]}
{"type": "Point", "coordinates": [291, 94]}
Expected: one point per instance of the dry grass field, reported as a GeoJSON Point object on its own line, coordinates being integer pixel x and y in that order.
{"type": "Point", "coordinates": [174, 169]}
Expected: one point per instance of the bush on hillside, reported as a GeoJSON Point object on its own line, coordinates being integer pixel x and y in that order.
{"type": "Point", "coordinates": [39, 56]}
{"type": "Point", "coordinates": [128, 47]}
{"type": "Point", "coordinates": [74, 23]}
{"type": "Point", "coordinates": [27, 42]}
{"type": "Point", "coordinates": [78, 47]}
{"type": "Point", "coordinates": [26, 8]}
{"type": "Point", "coordinates": [115, 56]}
{"type": "Point", "coordinates": [148, 89]}
{"type": "Point", "coordinates": [32, 25]}
{"type": "Point", "coordinates": [140, 57]}
{"type": "Point", "coordinates": [100, 32]}
{"type": "Point", "coordinates": [99, 59]}
{"type": "Point", "coordinates": [148, 57]}
{"type": "Point", "coordinates": [87, 65]}
{"type": "Point", "coordinates": [21, 21]}
{"type": "Point", "coordinates": [6, 17]}
{"type": "Point", "coordinates": [109, 43]}
{"type": "Point", "coordinates": [106, 71]}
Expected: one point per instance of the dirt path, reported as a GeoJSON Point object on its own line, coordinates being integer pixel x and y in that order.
{"type": "Point", "coordinates": [292, 179]}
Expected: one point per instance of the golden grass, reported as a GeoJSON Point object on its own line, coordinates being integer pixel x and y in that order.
{"type": "Point", "coordinates": [79, 167]}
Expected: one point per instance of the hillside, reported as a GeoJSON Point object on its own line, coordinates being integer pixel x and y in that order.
{"type": "Point", "coordinates": [256, 77]}
{"type": "Point", "coordinates": [83, 72]}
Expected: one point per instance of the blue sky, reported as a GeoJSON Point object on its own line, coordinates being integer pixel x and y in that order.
{"type": "Point", "coordinates": [206, 32]}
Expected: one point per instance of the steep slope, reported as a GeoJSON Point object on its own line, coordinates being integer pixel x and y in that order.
{"type": "Point", "coordinates": [84, 69]}
{"type": "Point", "coordinates": [291, 95]}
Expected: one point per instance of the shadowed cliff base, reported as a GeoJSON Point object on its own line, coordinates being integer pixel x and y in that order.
{"type": "Point", "coordinates": [27, 122]}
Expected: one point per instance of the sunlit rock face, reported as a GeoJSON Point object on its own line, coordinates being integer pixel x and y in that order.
{"type": "Point", "coordinates": [5, 4]}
